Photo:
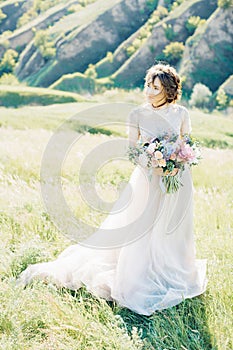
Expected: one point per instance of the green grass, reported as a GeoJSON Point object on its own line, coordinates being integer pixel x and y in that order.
{"type": "Point", "coordinates": [75, 82]}
{"type": "Point", "coordinates": [42, 316]}
{"type": "Point", "coordinates": [15, 96]}
{"type": "Point", "coordinates": [214, 129]}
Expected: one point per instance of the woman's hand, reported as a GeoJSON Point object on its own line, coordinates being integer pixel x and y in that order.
{"type": "Point", "coordinates": [159, 171]}
{"type": "Point", "coordinates": [174, 172]}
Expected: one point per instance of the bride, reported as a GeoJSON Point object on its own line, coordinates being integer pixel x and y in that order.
{"type": "Point", "coordinates": [157, 268]}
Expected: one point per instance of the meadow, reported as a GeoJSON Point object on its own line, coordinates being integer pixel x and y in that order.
{"type": "Point", "coordinates": [43, 316]}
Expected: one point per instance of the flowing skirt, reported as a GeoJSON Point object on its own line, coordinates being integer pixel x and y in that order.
{"type": "Point", "coordinates": [142, 256]}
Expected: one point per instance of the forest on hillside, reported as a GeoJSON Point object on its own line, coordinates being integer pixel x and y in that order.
{"type": "Point", "coordinates": [88, 46]}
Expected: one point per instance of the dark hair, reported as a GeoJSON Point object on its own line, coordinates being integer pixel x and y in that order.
{"type": "Point", "coordinates": [169, 78]}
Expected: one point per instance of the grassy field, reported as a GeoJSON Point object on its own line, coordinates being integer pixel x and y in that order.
{"type": "Point", "coordinates": [19, 95]}
{"type": "Point", "coordinates": [45, 317]}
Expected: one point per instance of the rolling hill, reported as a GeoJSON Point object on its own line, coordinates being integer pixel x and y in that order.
{"type": "Point", "coordinates": [86, 45]}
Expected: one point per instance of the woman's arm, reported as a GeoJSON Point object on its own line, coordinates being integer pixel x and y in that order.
{"type": "Point", "coordinates": [186, 127]}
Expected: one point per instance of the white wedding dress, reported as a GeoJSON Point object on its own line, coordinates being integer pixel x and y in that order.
{"type": "Point", "coordinates": [156, 268]}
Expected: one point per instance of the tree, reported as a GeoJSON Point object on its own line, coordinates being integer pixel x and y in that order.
{"type": "Point", "coordinates": [9, 79]}
{"type": "Point", "coordinates": [8, 62]}
{"type": "Point", "coordinates": [193, 22]}
{"type": "Point", "coordinates": [225, 3]}
{"type": "Point", "coordinates": [44, 44]}
{"type": "Point", "coordinates": [200, 96]}
{"type": "Point", "coordinates": [2, 15]}
{"type": "Point", "coordinates": [173, 52]}
{"type": "Point", "coordinates": [222, 99]}
{"type": "Point", "coordinates": [169, 32]}
{"type": "Point", "coordinates": [91, 72]}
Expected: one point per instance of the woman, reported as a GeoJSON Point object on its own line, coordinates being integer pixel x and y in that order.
{"type": "Point", "coordinates": [156, 268]}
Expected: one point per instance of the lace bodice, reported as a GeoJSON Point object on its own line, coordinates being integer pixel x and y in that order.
{"type": "Point", "coordinates": [145, 122]}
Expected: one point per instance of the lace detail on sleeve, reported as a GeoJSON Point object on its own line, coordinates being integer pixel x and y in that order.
{"type": "Point", "coordinates": [132, 128]}
{"type": "Point", "coordinates": [186, 127]}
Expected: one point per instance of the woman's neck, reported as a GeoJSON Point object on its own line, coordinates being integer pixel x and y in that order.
{"type": "Point", "coordinates": [160, 105]}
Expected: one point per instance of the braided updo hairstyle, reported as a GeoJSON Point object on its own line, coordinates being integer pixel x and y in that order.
{"type": "Point", "coordinates": [169, 78]}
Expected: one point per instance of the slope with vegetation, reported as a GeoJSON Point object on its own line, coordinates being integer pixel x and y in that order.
{"type": "Point", "coordinates": [165, 43]}
{"type": "Point", "coordinates": [211, 50]}
{"type": "Point", "coordinates": [88, 46]}
{"type": "Point", "coordinates": [113, 22]}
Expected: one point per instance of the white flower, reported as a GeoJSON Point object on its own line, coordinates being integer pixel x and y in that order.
{"type": "Point", "coordinates": [150, 149]}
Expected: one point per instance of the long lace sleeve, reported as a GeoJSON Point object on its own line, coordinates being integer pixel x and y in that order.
{"type": "Point", "coordinates": [132, 128]}
{"type": "Point", "coordinates": [186, 127]}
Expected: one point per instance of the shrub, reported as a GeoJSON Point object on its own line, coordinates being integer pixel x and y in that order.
{"type": "Point", "coordinates": [171, 4]}
{"type": "Point", "coordinates": [44, 44]}
{"type": "Point", "coordinates": [201, 96]}
{"type": "Point", "coordinates": [142, 34]}
{"type": "Point", "coordinates": [9, 79]}
{"type": "Point", "coordinates": [156, 16]}
{"type": "Point", "coordinates": [130, 50]}
{"type": "Point", "coordinates": [2, 15]}
{"type": "Point", "coordinates": [173, 52]}
{"type": "Point", "coordinates": [26, 17]}
{"type": "Point", "coordinates": [146, 30]}
{"type": "Point", "coordinates": [8, 61]}
{"type": "Point", "coordinates": [74, 8]}
{"type": "Point", "coordinates": [134, 47]}
{"type": "Point", "coordinates": [221, 99]}
{"type": "Point", "coordinates": [193, 22]}
{"type": "Point", "coordinates": [37, 7]}
{"type": "Point", "coordinates": [176, 4]}
{"type": "Point", "coordinates": [109, 56]}
{"type": "Point", "coordinates": [4, 39]}
{"type": "Point", "coordinates": [91, 72]}
{"type": "Point", "coordinates": [225, 3]}
{"type": "Point", "coordinates": [162, 11]}
{"type": "Point", "coordinates": [86, 2]}
{"type": "Point", "coordinates": [169, 33]}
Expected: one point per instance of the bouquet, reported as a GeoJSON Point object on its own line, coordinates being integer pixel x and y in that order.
{"type": "Point", "coordinates": [169, 152]}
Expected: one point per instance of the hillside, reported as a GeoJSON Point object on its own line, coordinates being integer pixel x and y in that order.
{"type": "Point", "coordinates": [113, 22]}
{"type": "Point", "coordinates": [170, 29]}
{"type": "Point", "coordinates": [91, 45]}
{"type": "Point", "coordinates": [215, 39]}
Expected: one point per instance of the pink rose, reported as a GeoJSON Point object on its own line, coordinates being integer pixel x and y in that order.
{"type": "Point", "coordinates": [186, 153]}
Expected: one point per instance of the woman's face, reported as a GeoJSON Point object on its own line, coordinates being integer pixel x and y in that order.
{"type": "Point", "coordinates": [152, 89]}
